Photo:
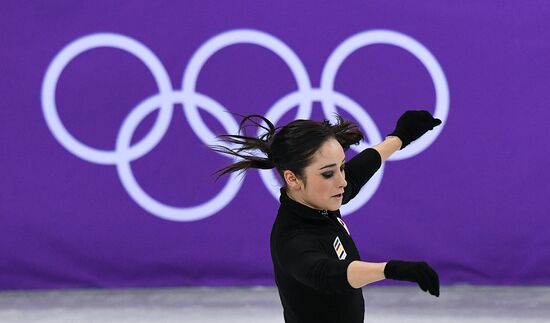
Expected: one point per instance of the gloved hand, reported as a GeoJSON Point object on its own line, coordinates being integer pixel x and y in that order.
{"type": "Point", "coordinates": [413, 124]}
{"type": "Point", "coordinates": [419, 272]}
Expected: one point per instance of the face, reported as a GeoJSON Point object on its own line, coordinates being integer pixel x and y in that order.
{"type": "Point", "coordinates": [324, 179]}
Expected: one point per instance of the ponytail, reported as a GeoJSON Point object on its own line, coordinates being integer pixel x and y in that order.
{"type": "Point", "coordinates": [288, 148]}
{"type": "Point", "coordinates": [247, 145]}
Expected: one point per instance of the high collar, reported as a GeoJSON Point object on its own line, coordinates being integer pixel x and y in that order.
{"type": "Point", "coordinates": [302, 210]}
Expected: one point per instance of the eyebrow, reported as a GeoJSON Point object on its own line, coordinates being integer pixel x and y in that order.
{"type": "Point", "coordinates": [331, 165]}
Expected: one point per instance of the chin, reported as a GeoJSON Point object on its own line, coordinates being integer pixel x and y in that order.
{"type": "Point", "coordinates": [334, 207]}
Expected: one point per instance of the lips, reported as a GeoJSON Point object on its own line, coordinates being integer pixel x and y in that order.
{"type": "Point", "coordinates": [338, 195]}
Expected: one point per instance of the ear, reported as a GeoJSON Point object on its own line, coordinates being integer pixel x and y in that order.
{"type": "Point", "coordinates": [292, 181]}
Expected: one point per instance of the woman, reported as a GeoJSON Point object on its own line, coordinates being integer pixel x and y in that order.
{"type": "Point", "coordinates": [318, 270]}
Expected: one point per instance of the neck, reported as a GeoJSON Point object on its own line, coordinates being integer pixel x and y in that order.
{"type": "Point", "coordinates": [300, 200]}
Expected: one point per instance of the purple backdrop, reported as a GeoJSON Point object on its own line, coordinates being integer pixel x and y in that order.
{"type": "Point", "coordinates": [473, 201]}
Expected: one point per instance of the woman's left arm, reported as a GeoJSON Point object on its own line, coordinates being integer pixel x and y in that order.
{"type": "Point", "coordinates": [410, 126]}
{"type": "Point", "coordinates": [365, 164]}
{"type": "Point", "coordinates": [387, 147]}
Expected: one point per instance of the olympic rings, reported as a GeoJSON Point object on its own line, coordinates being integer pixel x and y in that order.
{"type": "Point", "coordinates": [124, 153]}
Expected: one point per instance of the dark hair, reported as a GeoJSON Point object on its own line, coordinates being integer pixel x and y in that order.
{"type": "Point", "coordinates": [288, 148]}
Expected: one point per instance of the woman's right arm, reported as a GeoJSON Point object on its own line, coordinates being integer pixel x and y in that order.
{"type": "Point", "coordinates": [361, 273]}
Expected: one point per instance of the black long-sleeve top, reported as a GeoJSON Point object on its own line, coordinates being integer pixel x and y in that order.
{"type": "Point", "coordinates": [311, 251]}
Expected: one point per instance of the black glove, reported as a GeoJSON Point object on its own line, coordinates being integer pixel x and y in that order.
{"type": "Point", "coordinates": [413, 124]}
{"type": "Point", "coordinates": [419, 272]}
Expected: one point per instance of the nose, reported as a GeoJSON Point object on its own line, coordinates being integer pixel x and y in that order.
{"type": "Point", "coordinates": [342, 181]}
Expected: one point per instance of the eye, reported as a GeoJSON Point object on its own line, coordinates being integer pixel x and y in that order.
{"type": "Point", "coordinates": [331, 173]}
{"type": "Point", "coordinates": [327, 174]}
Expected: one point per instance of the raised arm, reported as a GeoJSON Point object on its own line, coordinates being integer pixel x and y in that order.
{"type": "Point", "coordinates": [410, 126]}
{"type": "Point", "coordinates": [387, 147]}
{"type": "Point", "coordinates": [359, 170]}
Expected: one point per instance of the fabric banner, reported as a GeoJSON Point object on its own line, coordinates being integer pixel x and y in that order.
{"type": "Point", "coordinates": [108, 108]}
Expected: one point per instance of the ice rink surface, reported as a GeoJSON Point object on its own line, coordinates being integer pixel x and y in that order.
{"type": "Point", "coordinates": [459, 303]}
